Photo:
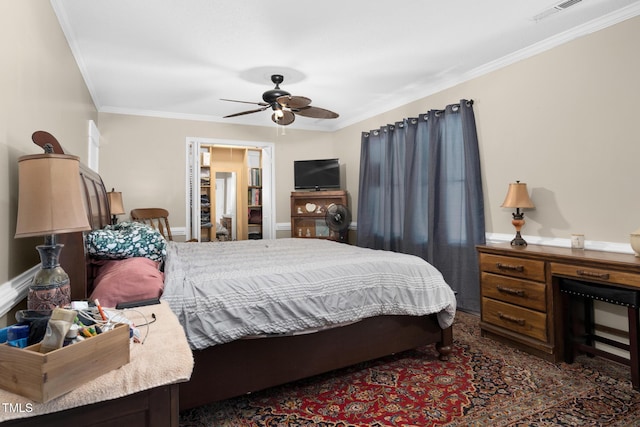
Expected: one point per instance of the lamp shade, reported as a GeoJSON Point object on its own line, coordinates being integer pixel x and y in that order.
{"type": "Point", "coordinates": [517, 196]}
{"type": "Point", "coordinates": [116, 207]}
{"type": "Point", "coordinates": [50, 199]}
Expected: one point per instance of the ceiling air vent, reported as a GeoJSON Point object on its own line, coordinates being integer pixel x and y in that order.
{"type": "Point", "coordinates": [554, 9]}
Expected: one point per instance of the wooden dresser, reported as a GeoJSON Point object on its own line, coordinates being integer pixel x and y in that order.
{"type": "Point", "coordinates": [520, 290]}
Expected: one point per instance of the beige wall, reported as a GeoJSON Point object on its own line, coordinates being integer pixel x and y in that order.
{"type": "Point", "coordinates": [562, 121]}
{"type": "Point", "coordinates": [41, 88]}
{"type": "Point", "coordinates": [557, 140]}
{"type": "Point", "coordinates": [144, 158]}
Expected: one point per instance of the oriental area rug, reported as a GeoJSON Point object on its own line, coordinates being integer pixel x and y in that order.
{"type": "Point", "coordinates": [485, 383]}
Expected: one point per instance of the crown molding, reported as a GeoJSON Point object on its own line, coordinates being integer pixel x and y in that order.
{"type": "Point", "coordinates": [592, 26]}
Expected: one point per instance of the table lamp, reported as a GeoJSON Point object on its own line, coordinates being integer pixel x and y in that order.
{"type": "Point", "coordinates": [116, 207]}
{"type": "Point", "coordinates": [517, 197]}
{"type": "Point", "coordinates": [50, 202]}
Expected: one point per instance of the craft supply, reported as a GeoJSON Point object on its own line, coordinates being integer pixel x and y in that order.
{"type": "Point", "coordinates": [57, 328]}
{"type": "Point", "coordinates": [73, 331]}
{"type": "Point", "coordinates": [104, 316]}
{"type": "Point", "coordinates": [43, 377]}
{"type": "Point", "coordinates": [84, 318]}
{"type": "Point", "coordinates": [17, 335]}
{"type": "Point", "coordinates": [3, 334]}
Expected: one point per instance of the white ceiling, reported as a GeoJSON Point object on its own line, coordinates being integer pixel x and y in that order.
{"type": "Point", "coordinates": [177, 58]}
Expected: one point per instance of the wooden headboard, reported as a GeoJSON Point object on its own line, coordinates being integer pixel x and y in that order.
{"type": "Point", "coordinates": [73, 258]}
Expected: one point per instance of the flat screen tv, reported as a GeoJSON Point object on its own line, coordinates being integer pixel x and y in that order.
{"type": "Point", "coordinates": [321, 174]}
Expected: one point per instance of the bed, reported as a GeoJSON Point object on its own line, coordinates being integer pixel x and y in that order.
{"type": "Point", "coordinates": [243, 365]}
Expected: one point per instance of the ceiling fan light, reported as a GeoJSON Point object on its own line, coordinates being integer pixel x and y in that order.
{"type": "Point", "coordinates": [286, 117]}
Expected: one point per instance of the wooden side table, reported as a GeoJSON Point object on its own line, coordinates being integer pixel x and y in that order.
{"type": "Point", "coordinates": [144, 392]}
{"type": "Point", "coordinates": [520, 291]}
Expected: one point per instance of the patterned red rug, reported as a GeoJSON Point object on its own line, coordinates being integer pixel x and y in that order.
{"type": "Point", "coordinates": [484, 383]}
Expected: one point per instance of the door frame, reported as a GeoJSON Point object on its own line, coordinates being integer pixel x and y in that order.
{"type": "Point", "coordinates": [192, 189]}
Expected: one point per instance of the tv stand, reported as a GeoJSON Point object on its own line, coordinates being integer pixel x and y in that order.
{"type": "Point", "coordinates": [308, 210]}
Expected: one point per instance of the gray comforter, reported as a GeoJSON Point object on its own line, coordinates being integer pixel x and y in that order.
{"type": "Point", "coordinates": [223, 291]}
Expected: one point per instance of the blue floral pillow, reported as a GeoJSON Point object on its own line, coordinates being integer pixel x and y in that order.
{"type": "Point", "coordinates": [127, 240]}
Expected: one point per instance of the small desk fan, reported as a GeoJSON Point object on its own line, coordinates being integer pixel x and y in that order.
{"type": "Point", "coordinates": [338, 219]}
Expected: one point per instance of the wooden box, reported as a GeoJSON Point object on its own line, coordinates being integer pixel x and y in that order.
{"type": "Point", "coordinates": [42, 377]}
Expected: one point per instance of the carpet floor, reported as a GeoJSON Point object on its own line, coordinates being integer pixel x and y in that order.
{"type": "Point", "coordinates": [485, 383]}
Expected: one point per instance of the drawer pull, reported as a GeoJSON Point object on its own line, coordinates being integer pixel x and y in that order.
{"type": "Point", "coordinates": [511, 319]}
{"type": "Point", "coordinates": [510, 291]}
{"type": "Point", "coordinates": [502, 266]}
{"type": "Point", "coordinates": [603, 276]}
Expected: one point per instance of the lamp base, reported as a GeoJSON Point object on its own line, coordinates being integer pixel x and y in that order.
{"type": "Point", "coordinates": [518, 240]}
{"type": "Point", "coordinates": [50, 287]}
{"type": "Point", "coordinates": [45, 298]}
{"type": "Point", "coordinates": [518, 222]}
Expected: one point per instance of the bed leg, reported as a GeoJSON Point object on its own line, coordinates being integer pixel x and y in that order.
{"type": "Point", "coordinates": [445, 345]}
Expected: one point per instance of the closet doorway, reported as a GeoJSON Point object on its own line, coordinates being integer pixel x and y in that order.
{"type": "Point", "coordinates": [229, 187]}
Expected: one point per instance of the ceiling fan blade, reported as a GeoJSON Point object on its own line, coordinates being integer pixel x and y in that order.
{"type": "Point", "coordinates": [245, 102]}
{"type": "Point", "coordinates": [286, 119]}
{"type": "Point", "coordinates": [316, 113]}
{"type": "Point", "coordinates": [246, 112]}
{"type": "Point", "coordinates": [289, 101]}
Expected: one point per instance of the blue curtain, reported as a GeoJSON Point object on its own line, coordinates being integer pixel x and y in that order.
{"type": "Point", "coordinates": [420, 193]}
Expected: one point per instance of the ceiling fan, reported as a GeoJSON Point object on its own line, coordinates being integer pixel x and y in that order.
{"type": "Point", "coordinates": [284, 105]}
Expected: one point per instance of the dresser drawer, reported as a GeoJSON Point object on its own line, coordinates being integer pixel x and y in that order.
{"type": "Point", "coordinates": [524, 293]}
{"type": "Point", "coordinates": [595, 274]}
{"type": "Point", "coordinates": [517, 319]}
{"type": "Point", "coordinates": [516, 267]}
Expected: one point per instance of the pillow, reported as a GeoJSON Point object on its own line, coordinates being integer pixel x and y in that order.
{"type": "Point", "coordinates": [127, 240]}
{"type": "Point", "coordinates": [131, 279]}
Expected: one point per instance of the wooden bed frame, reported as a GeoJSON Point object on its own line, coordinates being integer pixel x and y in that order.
{"type": "Point", "coordinates": [248, 365]}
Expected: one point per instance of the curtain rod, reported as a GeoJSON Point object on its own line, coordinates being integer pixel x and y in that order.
{"type": "Point", "coordinates": [468, 103]}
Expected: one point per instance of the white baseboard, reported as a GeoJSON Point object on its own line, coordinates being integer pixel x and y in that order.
{"type": "Point", "coordinates": [15, 290]}
{"type": "Point", "coordinates": [179, 231]}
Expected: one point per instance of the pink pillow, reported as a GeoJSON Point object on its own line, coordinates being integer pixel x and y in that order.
{"type": "Point", "coordinates": [125, 280]}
